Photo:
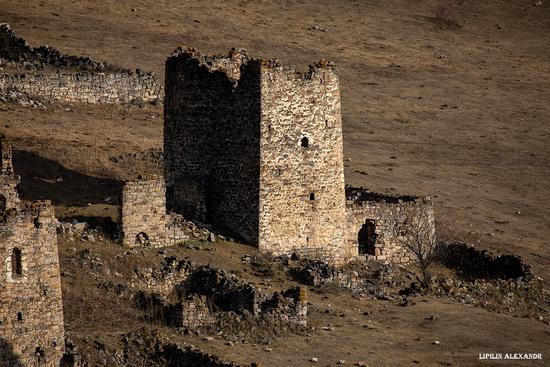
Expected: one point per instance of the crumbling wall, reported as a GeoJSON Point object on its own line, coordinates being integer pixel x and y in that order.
{"type": "Point", "coordinates": [164, 279]}
{"type": "Point", "coordinates": [77, 79]}
{"type": "Point", "coordinates": [17, 49]}
{"type": "Point", "coordinates": [211, 139]}
{"type": "Point", "coordinates": [225, 290]}
{"type": "Point", "coordinates": [475, 263]}
{"type": "Point", "coordinates": [204, 295]}
{"type": "Point", "coordinates": [302, 200]}
{"type": "Point", "coordinates": [8, 180]}
{"type": "Point", "coordinates": [144, 218]}
{"type": "Point", "coordinates": [392, 217]}
{"type": "Point", "coordinates": [31, 312]}
{"type": "Point", "coordinates": [190, 312]}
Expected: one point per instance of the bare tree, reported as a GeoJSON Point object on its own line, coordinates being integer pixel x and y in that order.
{"type": "Point", "coordinates": [420, 242]}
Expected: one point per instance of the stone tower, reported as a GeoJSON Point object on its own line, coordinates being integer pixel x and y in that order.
{"type": "Point", "coordinates": [31, 312]}
{"type": "Point", "coordinates": [8, 180]}
{"type": "Point", "coordinates": [256, 148]}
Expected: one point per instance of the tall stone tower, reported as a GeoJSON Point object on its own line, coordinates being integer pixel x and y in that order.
{"type": "Point", "coordinates": [31, 312]}
{"type": "Point", "coordinates": [256, 148]}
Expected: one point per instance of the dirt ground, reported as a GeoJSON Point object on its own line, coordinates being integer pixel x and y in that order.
{"type": "Point", "coordinates": [447, 99]}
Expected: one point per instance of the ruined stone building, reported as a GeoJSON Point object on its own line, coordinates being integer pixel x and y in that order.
{"type": "Point", "coordinates": [31, 312]}
{"type": "Point", "coordinates": [145, 221]}
{"type": "Point", "coordinates": [256, 148]}
{"type": "Point", "coordinates": [8, 180]}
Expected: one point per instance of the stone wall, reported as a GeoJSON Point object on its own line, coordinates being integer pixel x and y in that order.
{"type": "Point", "coordinates": [8, 180]}
{"type": "Point", "coordinates": [31, 312]}
{"type": "Point", "coordinates": [144, 218]}
{"type": "Point", "coordinates": [77, 79]}
{"type": "Point", "coordinates": [185, 295]}
{"type": "Point", "coordinates": [256, 148]}
{"type": "Point", "coordinates": [302, 200]}
{"type": "Point", "coordinates": [17, 49]}
{"type": "Point", "coordinates": [84, 87]}
{"type": "Point", "coordinates": [211, 139]}
{"type": "Point", "coordinates": [390, 218]}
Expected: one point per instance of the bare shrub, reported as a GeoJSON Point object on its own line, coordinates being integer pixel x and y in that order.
{"type": "Point", "coordinates": [421, 243]}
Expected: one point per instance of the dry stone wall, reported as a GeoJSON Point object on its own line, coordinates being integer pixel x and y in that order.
{"type": "Point", "coordinates": [201, 295]}
{"type": "Point", "coordinates": [8, 180]}
{"type": "Point", "coordinates": [31, 313]}
{"type": "Point", "coordinates": [144, 218]}
{"type": "Point", "coordinates": [77, 79]}
{"type": "Point", "coordinates": [389, 218]}
{"type": "Point", "coordinates": [256, 148]}
{"type": "Point", "coordinates": [84, 87]}
{"type": "Point", "coordinates": [17, 49]}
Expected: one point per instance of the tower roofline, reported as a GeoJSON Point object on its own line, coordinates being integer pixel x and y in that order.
{"type": "Point", "coordinates": [236, 57]}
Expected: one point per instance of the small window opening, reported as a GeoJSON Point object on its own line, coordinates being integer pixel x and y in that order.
{"type": "Point", "coordinates": [19, 316]}
{"type": "Point", "coordinates": [40, 352]}
{"type": "Point", "coordinates": [305, 142]}
{"type": "Point", "coordinates": [16, 263]}
{"type": "Point", "coordinates": [312, 196]}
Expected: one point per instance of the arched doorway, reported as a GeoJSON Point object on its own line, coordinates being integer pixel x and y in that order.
{"type": "Point", "coordinates": [366, 238]}
{"type": "Point", "coordinates": [142, 239]}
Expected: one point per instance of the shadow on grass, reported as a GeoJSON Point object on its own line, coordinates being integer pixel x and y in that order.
{"type": "Point", "coordinates": [45, 179]}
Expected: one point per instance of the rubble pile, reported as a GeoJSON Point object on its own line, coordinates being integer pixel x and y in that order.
{"type": "Point", "coordinates": [195, 298]}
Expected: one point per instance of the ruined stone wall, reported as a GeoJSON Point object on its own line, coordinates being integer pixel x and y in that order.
{"type": "Point", "coordinates": [144, 218]}
{"type": "Point", "coordinates": [211, 139]}
{"type": "Point", "coordinates": [392, 217]}
{"type": "Point", "coordinates": [8, 180]}
{"type": "Point", "coordinates": [84, 87]}
{"type": "Point", "coordinates": [77, 79]}
{"type": "Point", "coordinates": [302, 200]}
{"type": "Point", "coordinates": [31, 313]}
{"type": "Point", "coordinates": [17, 49]}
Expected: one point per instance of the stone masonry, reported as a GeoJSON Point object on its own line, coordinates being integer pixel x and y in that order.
{"type": "Point", "coordinates": [53, 75]}
{"type": "Point", "coordinates": [377, 223]}
{"type": "Point", "coordinates": [144, 218]}
{"type": "Point", "coordinates": [31, 312]}
{"type": "Point", "coordinates": [84, 87]}
{"type": "Point", "coordinates": [256, 148]}
{"type": "Point", "coordinates": [8, 180]}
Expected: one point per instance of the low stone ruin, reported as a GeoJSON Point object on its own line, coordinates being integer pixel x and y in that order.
{"type": "Point", "coordinates": [473, 262]}
{"type": "Point", "coordinates": [145, 221]}
{"type": "Point", "coordinates": [379, 223]}
{"type": "Point", "coordinates": [144, 218]}
{"type": "Point", "coordinates": [193, 297]}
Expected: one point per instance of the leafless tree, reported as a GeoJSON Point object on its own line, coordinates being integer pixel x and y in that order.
{"type": "Point", "coordinates": [420, 242]}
